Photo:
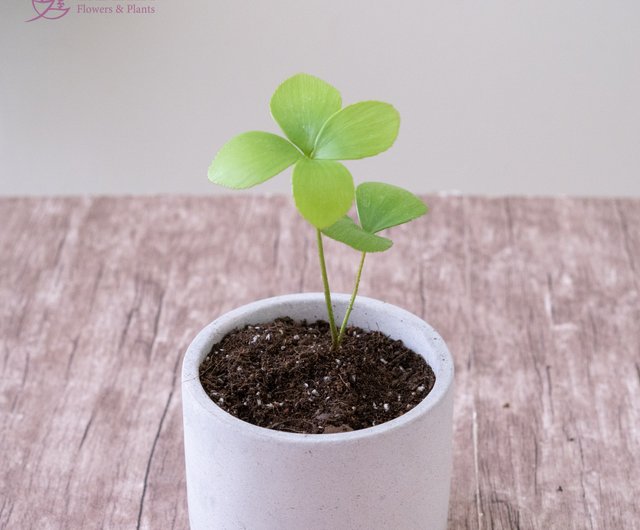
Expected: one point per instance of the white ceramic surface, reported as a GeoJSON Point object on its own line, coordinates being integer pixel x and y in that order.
{"type": "Point", "coordinates": [394, 476]}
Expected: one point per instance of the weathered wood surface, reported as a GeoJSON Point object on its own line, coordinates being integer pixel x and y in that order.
{"type": "Point", "coordinates": [538, 299]}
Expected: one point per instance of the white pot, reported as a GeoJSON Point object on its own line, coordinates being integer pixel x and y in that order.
{"type": "Point", "coordinates": [394, 476]}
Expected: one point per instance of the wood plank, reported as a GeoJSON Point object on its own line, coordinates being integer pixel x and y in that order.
{"type": "Point", "coordinates": [538, 299]}
{"type": "Point", "coordinates": [554, 311]}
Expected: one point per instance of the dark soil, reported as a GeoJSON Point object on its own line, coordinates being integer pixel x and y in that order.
{"type": "Point", "coordinates": [284, 376]}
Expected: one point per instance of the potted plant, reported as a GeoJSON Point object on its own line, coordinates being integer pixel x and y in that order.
{"type": "Point", "coordinates": [292, 423]}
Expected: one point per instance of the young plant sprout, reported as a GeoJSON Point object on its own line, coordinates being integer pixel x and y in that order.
{"type": "Point", "coordinates": [320, 132]}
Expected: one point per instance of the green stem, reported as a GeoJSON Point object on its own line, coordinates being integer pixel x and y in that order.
{"type": "Point", "coordinates": [327, 293]}
{"type": "Point", "coordinates": [343, 328]}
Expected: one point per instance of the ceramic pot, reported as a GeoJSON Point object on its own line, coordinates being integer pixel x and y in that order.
{"type": "Point", "coordinates": [394, 476]}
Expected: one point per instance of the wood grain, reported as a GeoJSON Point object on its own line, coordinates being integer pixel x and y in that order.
{"type": "Point", "coordinates": [538, 299]}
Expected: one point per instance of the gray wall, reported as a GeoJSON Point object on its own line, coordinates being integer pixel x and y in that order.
{"type": "Point", "coordinates": [496, 97]}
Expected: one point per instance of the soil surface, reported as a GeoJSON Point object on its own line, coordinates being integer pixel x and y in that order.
{"type": "Point", "coordinates": [284, 376]}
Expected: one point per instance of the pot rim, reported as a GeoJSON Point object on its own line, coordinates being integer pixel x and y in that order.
{"type": "Point", "coordinates": [204, 340]}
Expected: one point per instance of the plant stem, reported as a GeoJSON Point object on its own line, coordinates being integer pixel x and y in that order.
{"type": "Point", "coordinates": [327, 293]}
{"type": "Point", "coordinates": [343, 328]}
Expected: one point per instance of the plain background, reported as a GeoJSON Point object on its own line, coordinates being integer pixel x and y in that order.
{"type": "Point", "coordinates": [496, 97]}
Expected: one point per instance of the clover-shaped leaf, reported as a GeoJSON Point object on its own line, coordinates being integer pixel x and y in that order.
{"type": "Point", "coordinates": [382, 206]}
{"type": "Point", "coordinates": [301, 106]}
{"type": "Point", "coordinates": [358, 131]}
{"type": "Point", "coordinates": [322, 190]}
{"type": "Point", "coordinates": [348, 232]}
{"type": "Point", "coordinates": [379, 206]}
{"type": "Point", "coordinates": [251, 158]}
{"type": "Point", "coordinates": [319, 133]}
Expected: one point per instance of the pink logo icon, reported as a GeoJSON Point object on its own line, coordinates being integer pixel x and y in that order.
{"type": "Point", "coordinates": [49, 9]}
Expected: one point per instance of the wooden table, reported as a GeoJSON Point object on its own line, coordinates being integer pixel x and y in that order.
{"type": "Point", "coordinates": [538, 300]}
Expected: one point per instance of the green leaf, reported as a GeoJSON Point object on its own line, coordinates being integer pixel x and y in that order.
{"type": "Point", "coordinates": [357, 131]}
{"type": "Point", "coordinates": [382, 206]}
{"type": "Point", "coordinates": [348, 232]}
{"type": "Point", "coordinates": [251, 158]}
{"type": "Point", "coordinates": [301, 105]}
{"type": "Point", "coordinates": [322, 190]}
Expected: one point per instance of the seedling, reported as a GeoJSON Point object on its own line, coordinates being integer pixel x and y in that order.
{"type": "Point", "coordinates": [320, 132]}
